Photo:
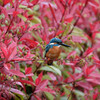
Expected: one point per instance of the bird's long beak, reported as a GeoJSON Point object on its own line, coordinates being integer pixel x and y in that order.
{"type": "Point", "coordinates": [65, 45]}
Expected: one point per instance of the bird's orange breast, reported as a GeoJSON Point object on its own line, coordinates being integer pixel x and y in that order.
{"type": "Point", "coordinates": [53, 53]}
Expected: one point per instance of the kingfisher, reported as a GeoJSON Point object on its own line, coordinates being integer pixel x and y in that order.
{"type": "Point", "coordinates": [52, 50]}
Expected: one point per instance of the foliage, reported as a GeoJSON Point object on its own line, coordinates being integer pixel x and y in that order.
{"type": "Point", "coordinates": [26, 27]}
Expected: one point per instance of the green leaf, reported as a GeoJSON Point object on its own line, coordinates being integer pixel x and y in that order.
{"type": "Point", "coordinates": [63, 98]}
{"type": "Point", "coordinates": [36, 20]}
{"type": "Point", "coordinates": [67, 30]}
{"type": "Point", "coordinates": [46, 68]}
{"type": "Point", "coordinates": [22, 17]}
{"type": "Point", "coordinates": [37, 37]}
{"type": "Point", "coordinates": [77, 32]}
{"type": "Point", "coordinates": [51, 69]}
{"type": "Point", "coordinates": [18, 97]}
{"type": "Point", "coordinates": [56, 70]}
{"type": "Point", "coordinates": [49, 96]}
{"type": "Point", "coordinates": [22, 6]}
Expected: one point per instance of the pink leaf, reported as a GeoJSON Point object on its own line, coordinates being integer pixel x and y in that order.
{"type": "Point", "coordinates": [21, 59]}
{"type": "Point", "coordinates": [34, 27]}
{"type": "Point", "coordinates": [60, 6]}
{"type": "Point", "coordinates": [93, 80]}
{"type": "Point", "coordinates": [93, 3]}
{"type": "Point", "coordinates": [16, 91]}
{"type": "Point", "coordinates": [53, 13]}
{"type": "Point", "coordinates": [71, 54]}
{"type": "Point", "coordinates": [70, 64]}
{"type": "Point", "coordinates": [52, 76]}
{"type": "Point", "coordinates": [27, 82]}
{"type": "Point", "coordinates": [73, 77]}
{"type": "Point", "coordinates": [4, 49]}
{"type": "Point", "coordinates": [41, 86]}
{"type": "Point", "coordinates": [29, 42]}
{"type": "Point", "coordinates": [12, 50]}
{"type": "Point", "coordinates": [95, 75]}
{"type": "Point", "coordinates": [85, 85]}
{"type": "Point", "coordinates": [88, 51]}
{"type": "Point", "coordinates": [78, 39]}
{"type": "Point", "coordinates": [37, 98]}
{"type": "Point", "coordinates": [15, 72]}
{"type": "Point", "coordinates": [48, 90]}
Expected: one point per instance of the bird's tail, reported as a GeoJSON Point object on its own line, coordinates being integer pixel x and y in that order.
{"type": "Point", "coordinates": [50, 62]}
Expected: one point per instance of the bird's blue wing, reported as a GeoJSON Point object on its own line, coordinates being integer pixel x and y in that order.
{"type": "Point", "coordinates": [48, 46]}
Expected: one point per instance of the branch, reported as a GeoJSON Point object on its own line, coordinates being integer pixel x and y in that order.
{"type": "Point", "coordinates": [12, 17]}
{"type": "Point", "coordinates": [86, 2]}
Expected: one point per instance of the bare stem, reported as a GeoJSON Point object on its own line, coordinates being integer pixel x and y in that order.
{"type": "Point", "coordinates": [86, 2]}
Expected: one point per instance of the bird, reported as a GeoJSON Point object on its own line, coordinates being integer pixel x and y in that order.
{"type": "Point", "coordinates": [53, 50]}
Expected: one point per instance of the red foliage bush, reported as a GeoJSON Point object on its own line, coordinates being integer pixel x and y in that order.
{"type": "Point", "coordinates": [26, 26]}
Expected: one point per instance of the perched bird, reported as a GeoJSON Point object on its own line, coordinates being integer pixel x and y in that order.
{"type": "Point", "coordinates": [52, 50]}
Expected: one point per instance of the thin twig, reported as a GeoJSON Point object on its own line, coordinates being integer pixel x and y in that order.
{"type": "Point", "coordinates": [12, 17]}
{"type": "Point", "coordinates": [78, 17]}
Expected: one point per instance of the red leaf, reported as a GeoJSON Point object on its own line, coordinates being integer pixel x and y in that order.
{"type": "Point", "coordinates": [93, 3]}
{"type": "Point", "coordinates": [15, 13]}
{"type": "Point", "coordinates": [39, 79]}
{"type": "Point", "coordinates": [48, 90]}
{"type": "Point", "coordinates": [85, 85]}
{"type": "Point", "coordinates": [88, 70]}
{"type": "Point", "coordinates": [6, 1]}
{"type": "Point", "coordinates": [96, 60]}
{"type": "Point", "coordinates": [41, 86]}
{"type": "Point", "coordinates": [88, 51]}
{"type": "Point", "coordinates": [34, 2]}
{"type": "Point", "coordinates": [69, 20]}
{"type": "Point", "coordinates": [15, 72]}
{"type": "Point", "coordinates": [12, 50]}
{"type": "Point", "coordinates": [60, 6]}
{"type": "Point", "coordinates": [94, 34]}
{"type": "Point", "coordinates": [59, 32]}
{"type": "Point", "coordinates": [7, 66]}
{"type": "Point", "coordinates": [28, 70]}
{"type": "Point", "coordinates": [73, 77]}
{"type": "Point", "coordinates": [53, 13]}
{"type": "Point", "coordinates": [34, 27]}
{"type": "Point", "coordinates": [95, 94]}
{"type": "Point", "coordinates": [27, 82]}
{"type": "Point", "coordinates": [69, 2]}
{"type": "Point", "coordinates": [29, 42]}
{"type": "Point", "coordinates": [71, 54]}
{"type": "Point", "coordinates": [4, 49]}
{"type": "Point", "coordinates": [93, 80]}
{"type": "Point", "coordinates": [37, 98]}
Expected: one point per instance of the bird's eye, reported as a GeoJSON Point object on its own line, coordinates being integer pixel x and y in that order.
{"type": "Point", "coordinates": [59, 42]}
